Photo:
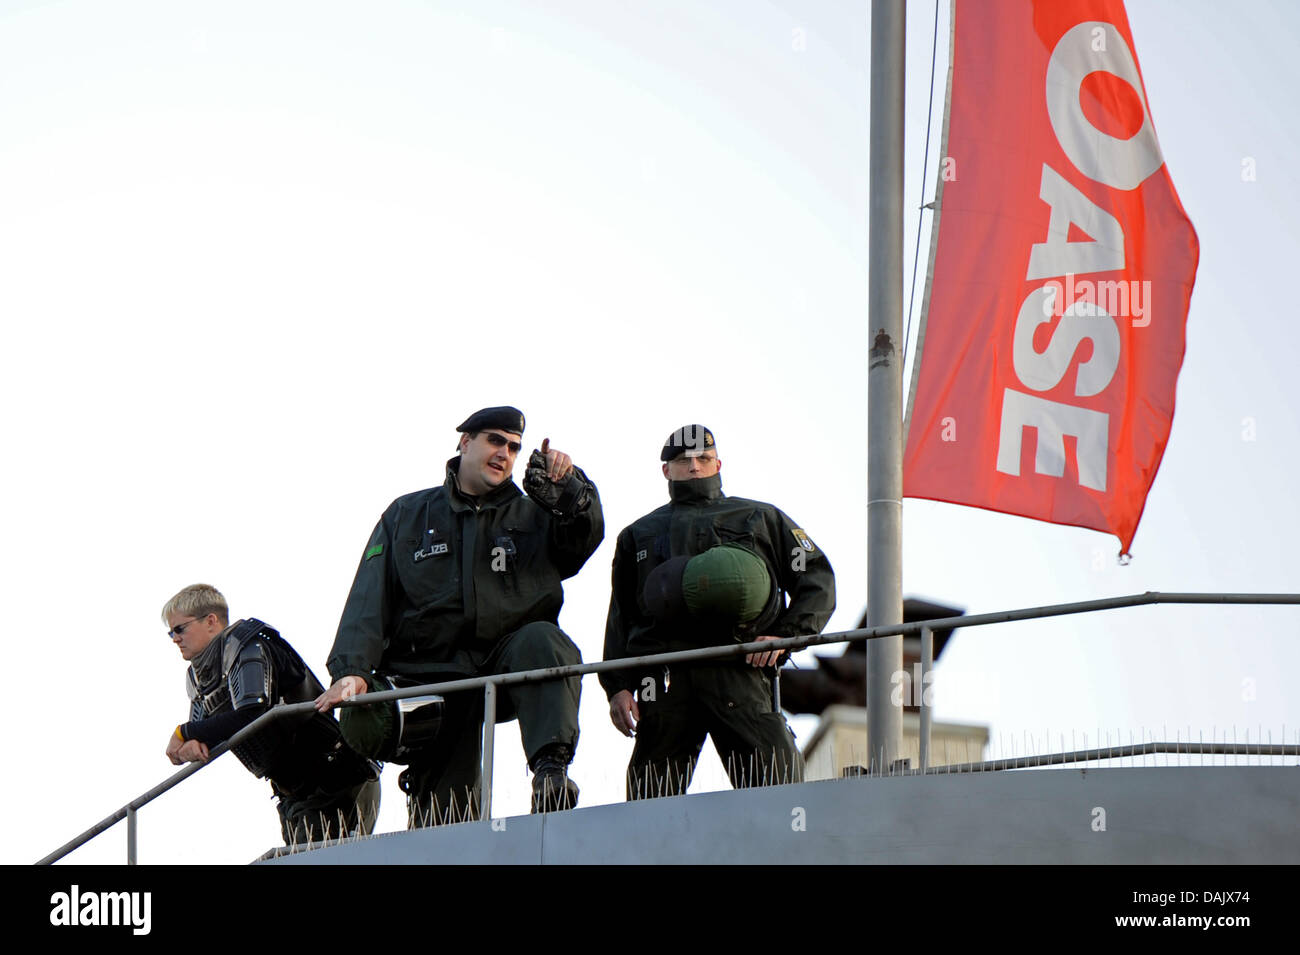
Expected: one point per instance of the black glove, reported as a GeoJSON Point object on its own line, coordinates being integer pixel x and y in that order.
{"type": "Point", "coordinates": [564, 498]}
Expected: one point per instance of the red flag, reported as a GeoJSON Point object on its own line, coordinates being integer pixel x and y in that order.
{"type": "Point", "coordinates": [1062, 270]}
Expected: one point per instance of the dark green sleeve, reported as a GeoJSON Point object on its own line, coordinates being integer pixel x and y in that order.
{"type": "Point", "coordinates": [363, 629]}
{"type": "Point", "coordinates": [576, 539]}
{"type": "Point", "coordinates": [806, 577]}
{"type": "Point", "coordinates": [622, 604]}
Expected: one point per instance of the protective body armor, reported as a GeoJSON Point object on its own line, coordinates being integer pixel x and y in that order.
{"type": "Point", "coordinates": [250, 665]}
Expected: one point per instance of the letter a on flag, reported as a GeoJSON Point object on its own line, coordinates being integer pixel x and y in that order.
{"type": "Point", "coordinates": [1062, 266]}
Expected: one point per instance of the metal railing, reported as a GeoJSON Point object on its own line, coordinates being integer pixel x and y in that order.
{"type": "Point", "coordinates": [490, 684]}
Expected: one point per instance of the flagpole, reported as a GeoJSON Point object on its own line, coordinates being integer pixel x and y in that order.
{"type": "Point", "coordinates": [885, 382]}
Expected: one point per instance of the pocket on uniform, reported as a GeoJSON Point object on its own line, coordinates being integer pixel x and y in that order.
{"type": "Point", "coordinates": [743, 539]}
{"type": "Point", "coordinates": [525, 582]}
{"type": "Point", "coordinates": [429, 573]}
{"type": "Point", "coordinates": [523, 545]}
{"type": "Point", "coordinates": [648, 552]}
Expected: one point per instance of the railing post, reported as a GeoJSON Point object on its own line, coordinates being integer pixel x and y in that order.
{"type": "Point", "coordinates": [489, 737]}
{"type": "Point", "coordinates": [130, 836]}
{"type": "Point", "coordinates": [927, 661]}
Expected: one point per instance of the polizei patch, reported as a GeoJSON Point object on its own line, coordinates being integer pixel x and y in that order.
{"type": "Point", "coordinates": [435, 546]}
{"type": "Point", "coordinates": [433, 550]}
{"type": "Point", "coordinates": [803, 540]}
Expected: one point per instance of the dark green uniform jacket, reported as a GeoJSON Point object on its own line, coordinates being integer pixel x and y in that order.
{"type": "Point", "coordinates": [700, 516]}
{"type": "Point", "coordinates": [445, 576]}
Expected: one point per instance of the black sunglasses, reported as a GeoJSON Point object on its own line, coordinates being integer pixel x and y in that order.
{"type": "Point", "coordinates": [179, 629]}
{"type": "Point", "coordinates": [501, 441]}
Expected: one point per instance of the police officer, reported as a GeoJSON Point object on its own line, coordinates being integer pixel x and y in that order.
{"type": "Point", "coordinates": [237, 672]}
{"type": "Point", "coordinates": [464, 580]}
{"type": "Point", "coordinates": [704, 570]}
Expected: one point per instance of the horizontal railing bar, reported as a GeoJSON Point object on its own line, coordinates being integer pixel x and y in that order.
{"type": "Point", "coordinates": [1117, 752]}
{"type": "Point", "coordinates": [794, 643]}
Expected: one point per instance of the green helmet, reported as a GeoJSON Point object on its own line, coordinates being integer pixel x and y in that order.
{"type": "Point", "coordinates": [725, 583]}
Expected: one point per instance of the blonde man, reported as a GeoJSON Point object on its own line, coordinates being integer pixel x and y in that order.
{"type": "Point", "coordinates": [239, 671]}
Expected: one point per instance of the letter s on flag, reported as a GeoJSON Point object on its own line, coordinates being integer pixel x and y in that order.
{"type": "Point", "coordinates": [1062, 266]}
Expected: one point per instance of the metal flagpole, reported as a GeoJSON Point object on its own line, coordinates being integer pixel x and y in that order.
{"type": "Point", "coordinates": [885, 381]}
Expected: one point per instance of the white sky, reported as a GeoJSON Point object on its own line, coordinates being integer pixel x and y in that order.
{"type": "Point", "coordinates": [257, 259]}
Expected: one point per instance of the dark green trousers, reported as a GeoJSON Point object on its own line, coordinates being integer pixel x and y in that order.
{"type": "Point", "coordinates": [443, 784]}
{"type": "Point", "coordinates": [730, 703]}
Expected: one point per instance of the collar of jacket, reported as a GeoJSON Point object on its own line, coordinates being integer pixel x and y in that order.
{"type": "Point", "coordinates": [207, 665]}
{"type": "Point", "coordinates": [460, 501]}
{"type": "Point", "coordinates": [696, 491]}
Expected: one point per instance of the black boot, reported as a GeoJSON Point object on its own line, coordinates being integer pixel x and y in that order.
{"type": "Point", "coordinates": [552, 788]}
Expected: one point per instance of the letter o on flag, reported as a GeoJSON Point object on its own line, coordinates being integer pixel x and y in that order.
{"type": "Point", "coordinates": [1118, 163]}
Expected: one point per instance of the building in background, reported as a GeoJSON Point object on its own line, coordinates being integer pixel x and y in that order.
{"type": "Point", "coordinates": [837, 692]}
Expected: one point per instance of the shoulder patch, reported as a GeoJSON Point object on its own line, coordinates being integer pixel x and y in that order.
{"type": "Point", "coordinates": [803, 539]}
{"type": "Point", "coordinates": [374, 551]}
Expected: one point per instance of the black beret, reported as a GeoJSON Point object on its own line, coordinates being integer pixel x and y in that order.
{"type": "Point", "coordinates": [503, 418]}
{"type": "Point", "coordinates": [690, 438]}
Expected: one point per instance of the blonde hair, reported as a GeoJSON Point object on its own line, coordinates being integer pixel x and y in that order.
{"type": "Point", "coordinates": [198, 600]}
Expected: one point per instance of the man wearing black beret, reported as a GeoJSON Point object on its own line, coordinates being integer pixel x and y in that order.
{"type": "Point", "coordinates": [706, 570]}
{"type": "Point", "coordinates": [464, 580]}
